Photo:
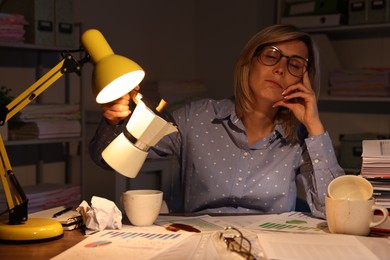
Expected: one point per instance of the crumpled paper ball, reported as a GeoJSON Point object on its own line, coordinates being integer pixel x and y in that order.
{"type": "Point", "coordinates": [102, 214]}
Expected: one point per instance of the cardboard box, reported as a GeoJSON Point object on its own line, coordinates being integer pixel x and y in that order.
{"type": "Point", "coordinates": [378, 11]}
{"type": "Point", "coordinates": [40, 17]}
{"type": "Point", "coordinates": [64, 24]}
{"type": "Point", "coordinates": [368, 11]}
{"type": "Point", "coordinates": [357, 12]}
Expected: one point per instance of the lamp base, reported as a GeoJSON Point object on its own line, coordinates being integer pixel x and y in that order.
{"type": "Point", "coordinates": [33, 230]}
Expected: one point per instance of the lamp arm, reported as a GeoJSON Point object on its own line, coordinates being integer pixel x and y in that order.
{"type": "Point", "coordinates": [67, 65]}
{"type": "Point", "coordinates": [16, 198]}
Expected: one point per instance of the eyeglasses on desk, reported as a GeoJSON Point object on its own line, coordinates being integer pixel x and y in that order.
{"type": "Point", "coordinates": [236, 242]}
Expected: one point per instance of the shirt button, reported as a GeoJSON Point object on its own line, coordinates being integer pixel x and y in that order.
{"type": "Point", "coordinates": [245, 153]}
{"type": "Point", "coordinates": [316, 160]}
{"type": "Point", "coordinates": [239, 179]}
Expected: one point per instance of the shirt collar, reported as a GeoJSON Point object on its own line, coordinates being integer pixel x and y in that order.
{"type": "Point", "coordinates": [226, 111]}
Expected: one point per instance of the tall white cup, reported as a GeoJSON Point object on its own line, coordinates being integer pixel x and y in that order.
{"type": "Point", "coordinates": [142, 206]}
{"type": "Point", "coordinates": [354, 217]}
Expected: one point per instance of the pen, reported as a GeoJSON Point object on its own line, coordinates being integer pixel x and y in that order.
{"type": "Point", "coordinates": [59, 213]}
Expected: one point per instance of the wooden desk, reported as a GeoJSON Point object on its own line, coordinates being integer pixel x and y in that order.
{"type": "Point", "coordinates": [47, 250]}
{"type": "Point", "coordinates": [43, 250]}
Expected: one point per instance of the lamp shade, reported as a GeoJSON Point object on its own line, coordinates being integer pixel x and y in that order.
{"type": "Point", "coordinates": [113, 75]}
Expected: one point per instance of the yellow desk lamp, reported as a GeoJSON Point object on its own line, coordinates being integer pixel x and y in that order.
{"type": "Point", "coordinates": [113, 76]}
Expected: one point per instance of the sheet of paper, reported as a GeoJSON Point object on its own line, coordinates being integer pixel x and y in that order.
{"type": "Point", "coordinates": [294, 246]}
{"type": "Point", "coordinates": [202, 247]}
{"type": "Point", "coordinates": [64, 218]}
{"type": "Point", "coordinates": [244, 220]}
{"type": "Point", "coordinates": [376, 148]}
{"type": "Point", "coordinates": [290, 222]}
{"type": "Point", "coordinates": [127, 243]}
{"type": "Point", "coordinates": [202, 223]}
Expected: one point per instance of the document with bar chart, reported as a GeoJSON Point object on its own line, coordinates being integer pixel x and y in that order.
{"type": "Point", "coordinates": [296, 222]}
{"type": "Point", "coordinates": [130, 241]}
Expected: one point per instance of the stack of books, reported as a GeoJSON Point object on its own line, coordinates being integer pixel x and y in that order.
{"type": "Point", "coordinates": [12, 27]}
{"type": "Point", "coordinates": [371, 82]}
{"type": "Point", "coordinates": [46, 121]}
{"type": "Point", "coordinates": [376, 168]}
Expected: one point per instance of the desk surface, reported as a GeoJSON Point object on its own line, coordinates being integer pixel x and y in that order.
{"type": "Point", "coordinates": [44, 250]}
{"type": "Point", "coordinates": [47, 250]}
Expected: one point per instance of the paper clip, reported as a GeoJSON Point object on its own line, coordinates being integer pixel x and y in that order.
{"type": "Point", "coordinates": [237, 242]}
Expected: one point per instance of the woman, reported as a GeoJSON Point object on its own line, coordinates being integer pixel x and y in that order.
{"type": "Point", "coordinates": [246, 154]}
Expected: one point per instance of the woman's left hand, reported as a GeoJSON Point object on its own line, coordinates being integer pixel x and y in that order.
{"type": "Point", "coordinates": [301, 100]}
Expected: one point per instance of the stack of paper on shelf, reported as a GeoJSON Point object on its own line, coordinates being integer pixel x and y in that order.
{"type": "Point", "coordinates": [45, 196]}
{"type": "Point", "coordinates": [12, 27]}
{"type": "Point", "coordinates": [376, 168]}
{"type": "Point", "coordinates": [46, 121]}
{"type": "Point", "coordinates": [372, 82]}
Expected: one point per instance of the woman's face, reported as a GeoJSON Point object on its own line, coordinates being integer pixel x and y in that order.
{"type": "Point", "coordinates": [268, 82]}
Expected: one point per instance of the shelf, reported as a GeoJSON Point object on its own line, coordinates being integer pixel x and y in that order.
{"type": "Point", "coordinates": [39, 152]}
{"type": "Point", "coordinates": [353, 31]}
{"type": "Point", "coordinates": [28, 46]}
{"type": "Point", "coordinates": [43, 141]}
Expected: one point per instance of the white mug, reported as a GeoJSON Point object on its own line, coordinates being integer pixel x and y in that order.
{"type": "Point", "coordinates": [142, 206]}
{"type": "Point", "coordinates": [353, 217]}
{"type": "Point", "coordinates": [350, 187]}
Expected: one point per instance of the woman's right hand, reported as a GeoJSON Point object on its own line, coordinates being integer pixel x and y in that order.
{"type": "Point", "coordinates": [117, 110]}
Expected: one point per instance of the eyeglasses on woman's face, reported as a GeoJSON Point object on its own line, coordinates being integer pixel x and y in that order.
{"type": "Point", "coordinates": [271, 55]}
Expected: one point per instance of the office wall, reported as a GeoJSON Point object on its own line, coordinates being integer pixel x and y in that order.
{"type": "Point", "coordinates": [171, 40]}
{"type": "Point", "coordinates": [175, 39]}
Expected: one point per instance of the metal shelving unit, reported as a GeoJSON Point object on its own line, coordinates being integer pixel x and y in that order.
{"type": "Point", "coordinates": [40, 58]}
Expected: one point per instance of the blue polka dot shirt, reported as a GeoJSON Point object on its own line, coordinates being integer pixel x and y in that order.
{"type": "Point", "coordinates": [221, 173]}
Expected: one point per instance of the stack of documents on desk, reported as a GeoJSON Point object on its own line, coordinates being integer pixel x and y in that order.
{"type": "Point", "coordinates": [158, 242]}
{"type": "Point", "coordinates": [376, 168]}
{"type": "Point", "coordinates": [46, 121]}
{"type": "Point", "coordinates": [376, 158]}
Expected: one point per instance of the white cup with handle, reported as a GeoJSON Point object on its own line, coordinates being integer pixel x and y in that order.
{"type": "Point", "coordinates": [353, 217]}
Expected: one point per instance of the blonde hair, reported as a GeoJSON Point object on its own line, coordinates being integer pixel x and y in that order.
{"type": "Point", "coordinates": [269, 36]}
